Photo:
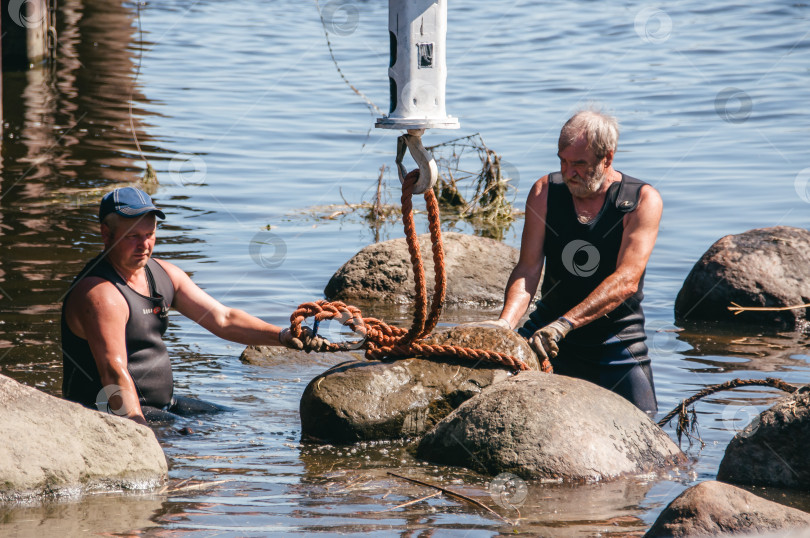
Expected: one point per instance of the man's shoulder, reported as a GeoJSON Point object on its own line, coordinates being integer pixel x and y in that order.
{"type": "Point", "coordinates": [94, 285]}
{"type": "Point", "coordinates": [649, 195]}
{"type": "Point", "coordinates": [94, 294]}
{"type": "Point", "coordinates": [633, 192]}
{"type": "Point", "coordinates": [541, 185]}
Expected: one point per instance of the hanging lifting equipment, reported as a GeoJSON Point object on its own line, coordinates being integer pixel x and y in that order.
{"type": "Point", "coordinates": [417, 75]}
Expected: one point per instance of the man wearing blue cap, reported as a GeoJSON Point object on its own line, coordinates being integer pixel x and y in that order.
{"type": "Point", "coordinates": [115, 314]}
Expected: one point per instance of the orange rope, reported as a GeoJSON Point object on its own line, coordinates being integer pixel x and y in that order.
{"type": "Point", "coordinates": [386, 341]}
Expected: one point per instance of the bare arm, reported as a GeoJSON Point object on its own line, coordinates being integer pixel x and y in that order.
{"type": "Point", "coordinates": [522, 283]}
{"type": "Point", "coordinates": [228, 323]}
{"type": "Point", "coordinates": [638, 239]}
{"type": "Point", "coordinates": [97, 312]}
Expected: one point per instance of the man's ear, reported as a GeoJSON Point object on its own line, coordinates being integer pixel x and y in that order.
{"type": "Point", "coordinates": [106, 233]}
{"type": "Point", "coordinates": [609, 159]}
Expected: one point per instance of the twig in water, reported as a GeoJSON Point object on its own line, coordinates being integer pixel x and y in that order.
{"type": "Point", "coordinates": [403, 505]}
{"type": "Point", "coordinates": [201, 485]}
{"type": "Point", "coordinates": [454, 494]}
{"type": "Point", "coordinates": [687, 425]}
{"type": "Point", "coordinates": [737, 309]}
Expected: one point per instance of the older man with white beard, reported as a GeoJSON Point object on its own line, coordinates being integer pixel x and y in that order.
{"type": "Point", "coordinates": [594, 228]}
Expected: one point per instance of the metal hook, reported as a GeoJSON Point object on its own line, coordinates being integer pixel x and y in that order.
{"type": "Point", "coordinates": [428, 171]}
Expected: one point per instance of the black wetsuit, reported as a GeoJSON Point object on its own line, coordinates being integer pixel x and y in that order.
{"type": "Point", "coordinates": [609, 351]}
{"type": "Point", "coordinates": [147, 357]}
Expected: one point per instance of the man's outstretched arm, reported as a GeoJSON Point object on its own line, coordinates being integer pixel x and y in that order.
{"type": "Point", "coordinates": [226, 322]}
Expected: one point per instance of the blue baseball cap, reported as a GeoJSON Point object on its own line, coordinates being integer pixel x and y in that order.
{"type": "Point", "coordinates": [128, 202]}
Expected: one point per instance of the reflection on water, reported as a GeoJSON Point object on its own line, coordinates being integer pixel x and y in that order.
{"type": "Point", "coordinates": [249, 94]}
{"type": "Point", "coordinates": [111, 513]}
{"type": "Point", "coordinates": [710, 351]}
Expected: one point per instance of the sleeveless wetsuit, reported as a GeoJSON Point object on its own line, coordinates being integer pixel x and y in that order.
{"type": "Point", "coordinates": [147, 357]}
{"type": "Point", "coordinates": [609, 351]}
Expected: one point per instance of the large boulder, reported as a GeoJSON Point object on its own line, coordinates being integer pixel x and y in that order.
{"type": "Point", "coordinates": [772, 449]}
{"type": "Point", "coordinates": [766, 267]}
{"type": "Point", "coordinates": [53, 447]}
{"type": "Point", "coordinates": [713, 508]}
{"type": "Point", "coordinates": [544, 426]}
{"type": "Point", "coordinates": [361, 400]}
{"type": "Point", "coordinates": [477, 270]}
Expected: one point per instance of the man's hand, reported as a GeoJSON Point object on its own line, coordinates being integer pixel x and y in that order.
{"type": "Point", "coordinates": [502, 323]}
{"type": "Point", "coordinates": [544, 341]}
{"type": "Point", "coordinates": [307, 342]}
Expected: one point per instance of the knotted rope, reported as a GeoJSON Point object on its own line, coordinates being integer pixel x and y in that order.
{"type": "Point", "coordinates": [386, 341]}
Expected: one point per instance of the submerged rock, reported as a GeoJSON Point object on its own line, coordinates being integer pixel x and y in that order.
{"type": "Point", "coordinates": [552, 427]}
{"type": "Point", "coordinates": [763, 267]}
{"type": "Point", "coordinates": [361, 400]}
{"type": "Point", "coordinates": [477, 270]}
{"type": "Point", "coordinates": [713, 508]}
{"type": "Point", "coordinates": [53, 447]}
{"type": "Point", "coordinates": [772, 449]}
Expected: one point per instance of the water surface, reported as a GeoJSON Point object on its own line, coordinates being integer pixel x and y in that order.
{"type": "Point", "coordinates": [241, 111]}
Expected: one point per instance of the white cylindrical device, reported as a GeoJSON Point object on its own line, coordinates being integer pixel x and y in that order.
{"type": "Point", "coordinates": [417, 71]}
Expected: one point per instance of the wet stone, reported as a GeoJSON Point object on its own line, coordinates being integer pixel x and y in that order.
{"type": "Point", "coordinates": [52, 447]}
{"type": "Point", "coordinates": [477, 271]}
{"type": "Point", "coordinates": [362, 400]}
{"type": "Point", "coordinates": [767, 267]}
{"type": "Point", "coordinates": [540, 426]}
{"type": "Point", "coordinates": [713, 508]}
{"type": "Point", "coordinates": [772, 449]}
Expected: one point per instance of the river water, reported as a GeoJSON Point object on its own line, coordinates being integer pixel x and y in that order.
{"type": "Point", "coordinates": [239, 108]}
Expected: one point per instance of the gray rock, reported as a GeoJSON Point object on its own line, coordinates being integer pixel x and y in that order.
{"type": "Point", "coordinates": [477, 270]}
{"type": "Point", "coordinates": [360, 400]}
{"type": "Point", "coordinates": [52, 447]}
{"type": "Point", "coordinates": [762, 267]}
{"type": "Point", "coordinates": [278, 357]}
{"type": "Point", "coordinates": [550, 427]}
{"type": "Point", "coordinates": [772, 449]}
{"type": "Point", "coordinates": [713, 508]}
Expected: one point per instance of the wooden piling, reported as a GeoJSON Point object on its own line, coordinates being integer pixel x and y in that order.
{"type": "Point", "coordinates": [26, 25]}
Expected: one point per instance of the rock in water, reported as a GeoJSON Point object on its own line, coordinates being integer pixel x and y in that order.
{"type": "Point", "coordinates": [772, 449]}
{"type": "Point", "coordinates": [550, 426]}
{"type": "Point", "coordinates": [713, 508]}
{"type": "Point", "coordinates": [55, 447]}
{"type": "Point", "coordinates": [477, 270]}
{"type": "Point", "coordinates": [763, 267]}
{"type": "Point", "coordinates": [361, 400]}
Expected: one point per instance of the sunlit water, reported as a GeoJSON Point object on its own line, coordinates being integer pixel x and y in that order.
{"type": "Point", "coordinates": [241, 111]}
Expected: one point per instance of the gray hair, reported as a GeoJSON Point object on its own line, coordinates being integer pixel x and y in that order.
{"type": "Point", "coordinates": [600, 130]}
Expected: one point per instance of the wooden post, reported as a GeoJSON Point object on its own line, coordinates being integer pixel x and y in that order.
{"type": "Point", "coordinates": [25, 26]}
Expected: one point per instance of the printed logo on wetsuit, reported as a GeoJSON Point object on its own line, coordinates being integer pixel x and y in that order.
{"type": "Point", "coordinates": [158, 311]}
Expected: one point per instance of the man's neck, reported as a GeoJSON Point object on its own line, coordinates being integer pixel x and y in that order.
{"type": "Point", "coordinates": [132, 276]}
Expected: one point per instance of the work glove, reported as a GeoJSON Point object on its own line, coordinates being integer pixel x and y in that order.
{"type": "Point", "coordinates": [544, 341]}
{"type": "Point", "coordinates": [307, 342]}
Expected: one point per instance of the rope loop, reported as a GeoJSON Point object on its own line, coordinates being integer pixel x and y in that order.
{"type": "Point", "coordinates": [384, 341]}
